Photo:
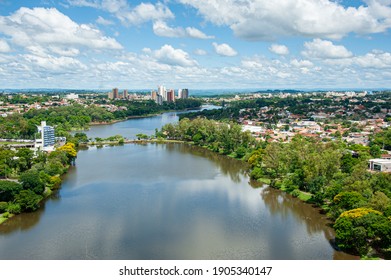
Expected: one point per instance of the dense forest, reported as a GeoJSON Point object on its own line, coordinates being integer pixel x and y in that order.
{"type": "Point", "coordinates": [332, 175]}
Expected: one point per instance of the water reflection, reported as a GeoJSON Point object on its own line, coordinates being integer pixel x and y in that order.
{"type": "Point", "coordinates": [160, 201]}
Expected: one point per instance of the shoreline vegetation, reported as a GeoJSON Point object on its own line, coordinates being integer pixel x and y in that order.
{"type": "Point", "coordinates": [325, 174]}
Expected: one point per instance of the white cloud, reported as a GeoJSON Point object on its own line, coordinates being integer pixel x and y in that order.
{"type": "Point", "coordinates": [265, 19]}
{"type": "Point", "coordinates": [144, 12]}
{"type": "Point", "coordinates": [325, 50]}
{"type": "Point", "coordinates": [168, 55]}
{"type": "Point", "coordinates": [200, 52]}
{"type": "Point", "coordinates": [102, 21]}
{"type": "Point", "coordinates": [114, 6]}
{"type": "Point", "coordinates": [65, 51]}
{"type": "Point", "coordinates": [195, 33]}
{"type": "Point", "coordinates": [52, 63]}
{"type": "Point", "coordinates": [141, 13]}
{"type": "Point", "coordinates": [375, 59]}
{"type": "Point", "coordinates": [224, 50]}
{"type": "Point", "coordinates": [49, 27]}
{"type": "Point", "coordinates": [279, 49]}
{"type": "Point", "coordinates": [4, 47]}
{"type": "Point", "coordinates": [160, 28]}
{"type": "Point", "coordinates": [301, 63]}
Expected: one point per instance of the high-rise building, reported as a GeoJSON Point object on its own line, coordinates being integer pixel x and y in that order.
{"type": "Point", "coordinates": [47, 139]}
{"type": "Point", "coordinates": [125, 94]}
{"type": "Point", "coordinates": [115, 93]}
{"type": "Point", "coordinates": [159, 99]}
{"type": "Point", "coordinates": [183, 93]}
{"type": "Point", "coordinates": [154, 95]}
{"type": "Point", "coordinates": [171, 95]}
{"type": "Point", "coordinates": [161, 90]}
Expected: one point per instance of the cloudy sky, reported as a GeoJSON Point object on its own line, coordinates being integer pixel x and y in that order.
{"type": "Point", "coordinates": [198, 44]}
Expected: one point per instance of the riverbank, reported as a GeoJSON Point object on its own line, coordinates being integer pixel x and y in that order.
{"type": "Point", "coordinates": [141, 116]}
{"type": "Point", "coordinates": [33, 185]}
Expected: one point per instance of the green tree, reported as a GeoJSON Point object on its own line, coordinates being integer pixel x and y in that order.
{"type": "Point", "coordinates": [8, 190]}
{"type": "Point", "coordinates": [358, 229]}
{"type": "Point", "coordinates": [31, 180]}
{"type": "Point", "coordinates": [141, 136]}
{"type": "Point", "coordinates": [28, 200]}
{"type": "Point", "coordinates": [375, 151]}
{"type": "Point", "coordinates": [380, 201]}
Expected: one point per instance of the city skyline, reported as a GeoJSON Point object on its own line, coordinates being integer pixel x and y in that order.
{"type": "Point", "coordinates": [195, 44]}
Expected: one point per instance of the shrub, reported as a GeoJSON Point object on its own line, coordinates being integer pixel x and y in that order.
{"type": "Point", "coordinates": [295, 193]}
{"type": "Point", "coordinates": [3, 206]}
{"type": "Point", "coordinates": [55, 182]}
{"type": "Point", "coordinates": [8, 190]}
{"type": "Point", "coordinates": [14, 208]}
{"type": "Point", "coordinates": [28, 200]}
{"type": "Point", "coordinates": [256, 173]}
{"type": "Point", "coordinates": [6, 215]}
{"type": "Point", "coordinates": [349, 200]}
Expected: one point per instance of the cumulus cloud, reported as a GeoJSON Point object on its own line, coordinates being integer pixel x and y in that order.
{"type": "Point", "coordinates": [195, 33]}
{"type": "Point", "coordinates": [49, 27]}
{"type": "Point", "coordinates": [4, 47]}
{"type": "Point", "coordinates": [55, 64]}
{"type": "Point", "coordinates": [325, 50]}
{"type": "Point", "coordinates": [374, 59]}
{"type": "Point", "coordinates": [102, 21]}
{"type": "Point", "coordinates": [279, 49]}
{"type": "Point", "coordinates": [224, 49]}
{"type": "Point", "coordinates": [160, 28]}
{"type": "Point", "coordinates": [141, 13]}
{"type": "Point", "coordinates": [145, 12]}
{"type": "Point", "coordinates": [266, 20]}
{"type": "Point", "coordinates": [168, 55]}
{"type": "Point", "coordinates": [301, 63]}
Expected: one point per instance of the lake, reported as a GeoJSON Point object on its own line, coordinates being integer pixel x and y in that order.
{"type": "Point", "coordinates": [165, 201]}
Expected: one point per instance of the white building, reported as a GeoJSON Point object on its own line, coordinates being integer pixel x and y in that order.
{"type": "Point", "coordinates": [378, 164]}
{"type": "Point", "coordinates": [47, 140]}
{"type": "Point", "coordinates": [72, 96]}
{"type": "Point", "coordinates": [183, 93]}
{"type": "Point", "coordinates": [161, 90]}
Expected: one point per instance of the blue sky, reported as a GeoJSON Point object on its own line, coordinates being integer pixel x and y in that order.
{"type": "Point", "coordinates": [197, 44]}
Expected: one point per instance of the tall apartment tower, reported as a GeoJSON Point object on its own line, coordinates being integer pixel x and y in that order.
{"type": "Point", "coordinates": [171, 95]}
{"type": "Point", "coordinates": [159, 99]}
{"type": "Point", "coordinates": [125, 94]}
{"type": "Point", "coordinates": [154, 95]}
{"type": "Point", "coordinates": [47, 139]}
{"type": "Point", "coordinates": [161, 90]}
{"type": "Point", "coordinates": [115, 93]}
{"type": "Point", "coordinates": [183, 93]}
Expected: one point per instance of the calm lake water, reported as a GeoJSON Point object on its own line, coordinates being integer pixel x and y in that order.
{"type": "Point", "coordinates": [159, 201]}
{"type": "Point", "coordinates": [130, 128]}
